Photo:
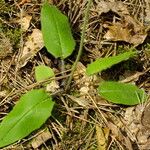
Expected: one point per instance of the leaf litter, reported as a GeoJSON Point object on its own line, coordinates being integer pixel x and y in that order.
{"type": "Point", "coordinates": [25, 22]}
{"type": "Point", "coordinates": [82, 110]}
{"type": "Point", "coordinates": [33, 45]}
{"type": "Point", "coordinates": [126, 28]}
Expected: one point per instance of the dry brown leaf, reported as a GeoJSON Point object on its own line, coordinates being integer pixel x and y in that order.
{"type": "Point", "coordinates": [117, 7]}
{"type": "Point", "coordinates": [127, 29]}
{"type": "Point", "coordinates": [41, 138]}
{"type": "Point", "coordinates": [116, 32]}
{"type": "Point", "coordinates": [32, 46]}
{"type": "Point", "coordinates": [137, 124]}
{"type": "Point", "coordinates": [132, 118]}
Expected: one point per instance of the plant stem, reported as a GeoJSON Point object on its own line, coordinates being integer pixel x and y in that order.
{"type": "Point", "coordinates": [63, 70]}
{"type": "Point", "coordinates": [81, 44]}
{"type": "Point", "coordinates": [62, 67]}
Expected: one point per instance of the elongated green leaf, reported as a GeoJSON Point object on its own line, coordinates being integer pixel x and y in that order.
{"type": "Point", "coordinates": [29, 114]}
{"type": "Point", "coordinates": [56, 32]}
{"type": "Point", "coordinates": [105, 63]}
{"type": "Point", "coordinates": [121, 93]}
{"type": "Point", "coordinates": [43, 72]}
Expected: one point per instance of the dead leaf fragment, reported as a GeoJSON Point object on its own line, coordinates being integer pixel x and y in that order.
{"type": "Point", "coordinates": [3, 93]}
{"type": "Point", "coordinates": [115, 131]}
{"type": "Point", "coordinates": [102, 137]}
{"type": "Point", "coordinates": [25, 22]}
{"type": "Point", "coordinates": [116, 32]}
{"type": "Point", "coordinates": [80, 101]}
{"type": "Point", "coordinates": [24, 1]}
{"type": "Point", "coordinates": [41, 138]}
{"type": "Point", "coordinates": [128, 30]}
{"type": "Point", "coordinates": [147, 12]}
{"type": "Point", "coordinates": [33, 45]}
{"type": "Point", "coordinates": [145, 116]}
{"type": "Point", "coordinates": [82, 80]}
{"type": "Point", "coordinates": [137, 125]}
{"type": "Point", "coordinates": [131, 76]}
{"type": "Point", "coordinates": [53, 86]}
{"type": "Point", "coordinates": [117, 7]}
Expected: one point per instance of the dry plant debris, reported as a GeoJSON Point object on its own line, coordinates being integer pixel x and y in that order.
{"type": "Point", "coordinates": [124, 27]}
{"type": "Point", "coordinates": [102, 137]}
{"type": "Point", "coordinates": [82, 120]}
{"type": "Point", "coordinates": [25, 22]}
{"type": "Point", "coordinates": [5, 46]}
{"type": "Point", "coordinates": [137, 125]}
{"type": "Point", "coordinates": [33, 44]}
{"type": "Point", "coordinates": [41, 138]}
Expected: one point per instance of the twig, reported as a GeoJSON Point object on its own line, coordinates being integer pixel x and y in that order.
{"type": "Point", "coordinates": [81, 44]}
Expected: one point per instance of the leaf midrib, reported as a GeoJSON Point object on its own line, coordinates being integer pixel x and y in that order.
{"type": "Point", "coordinates": [59, 36]}
{"type": "Point", "coordinates": [22, 118]}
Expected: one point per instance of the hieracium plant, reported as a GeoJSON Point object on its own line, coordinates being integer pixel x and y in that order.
{"type": "Point", "coordinates": [35, 107]}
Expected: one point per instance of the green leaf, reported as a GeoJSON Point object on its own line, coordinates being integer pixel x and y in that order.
{"type": "Point", "coordinates": [29, 114]}
{"type": "Point", "coordinates": [121, 93]}
{"type": "Point", "coordinates": [56, 31]}
{"type": "Point", "coordinates": [105, 63]}
{"type": "Point", "coordinates": [43, 72]}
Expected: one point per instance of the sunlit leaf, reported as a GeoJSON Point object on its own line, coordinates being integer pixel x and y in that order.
{"type": "Point", "coordinates": [121, 93]}
{"type": "Point", "coordinates": [29, 114]}
{"type": "Point", "coordinates": [56, 31]}
{"type": "Point", "coordinates": [43, 72]}
{"type": "Point", "coordinates": [105, 63]}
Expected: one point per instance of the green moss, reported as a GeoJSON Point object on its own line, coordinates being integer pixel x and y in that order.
{"type": "Point", "coordinates": [121, 49]}
{"type": "Point", "coordinates": [14, 36]}
{"type": "Point", "coordinates": [147, 50]}
{"type": "Point", "coordinates": [5, 9]}
{"type": "Point", "coordinates": [14, 32]}
{"type": "Point", "coordinates": [73, 139]}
